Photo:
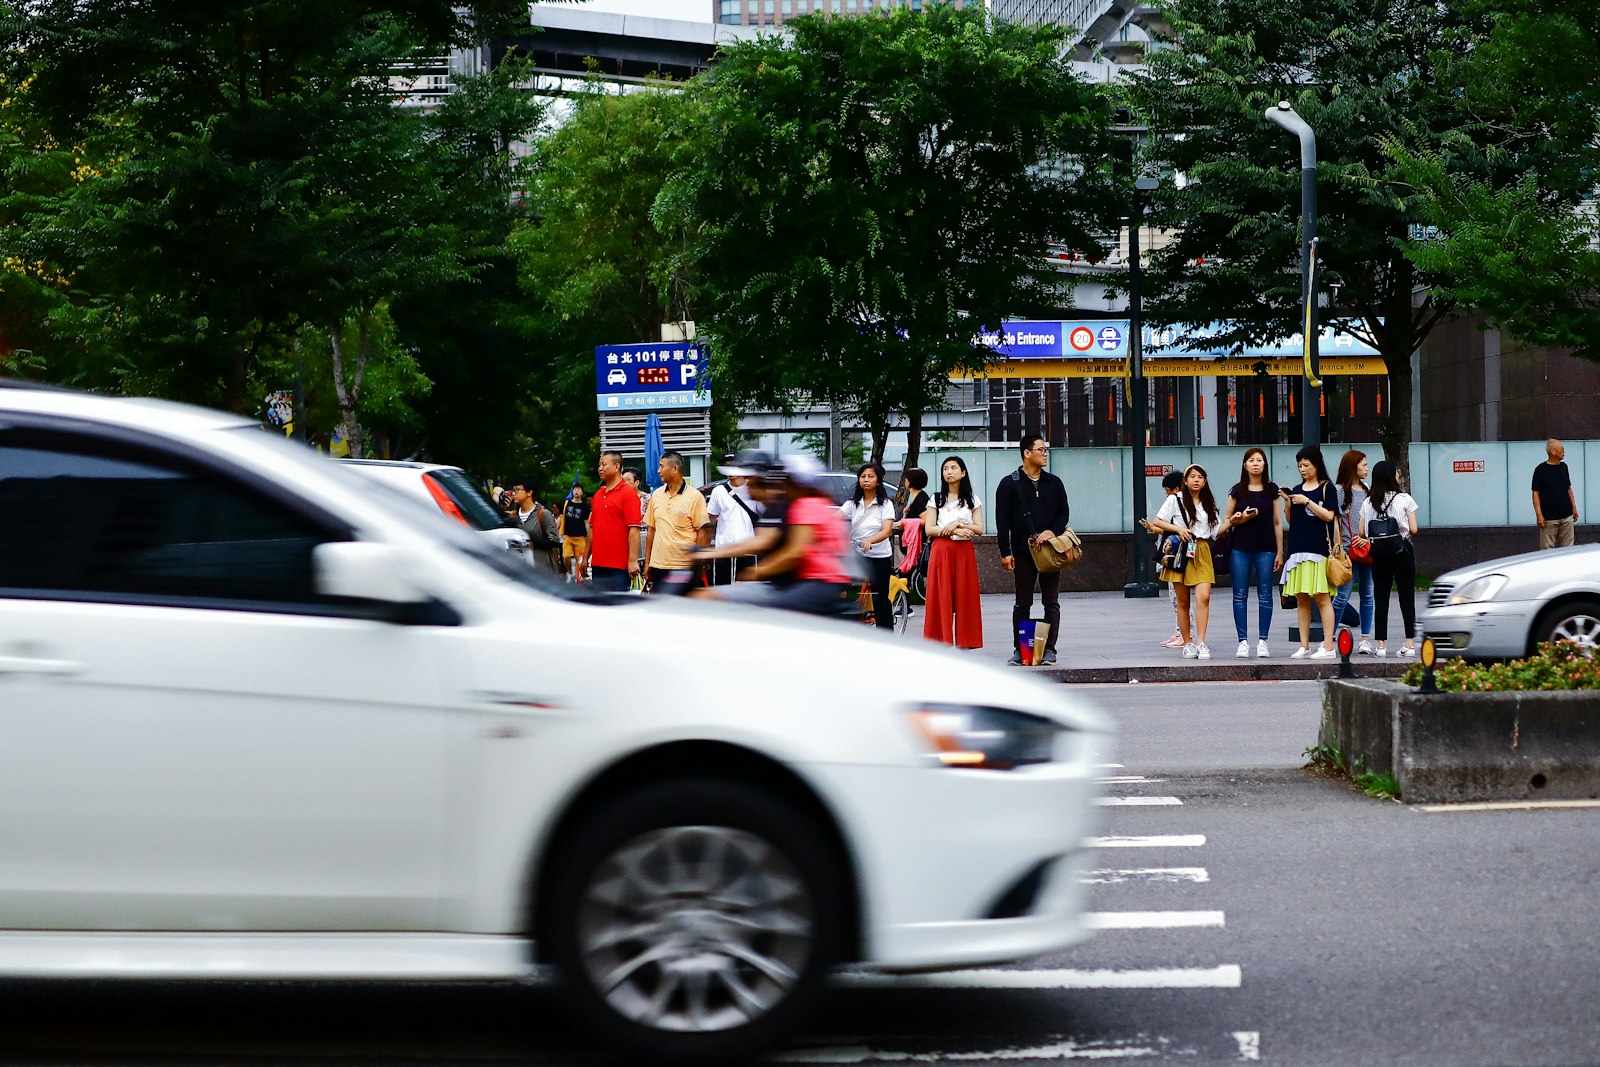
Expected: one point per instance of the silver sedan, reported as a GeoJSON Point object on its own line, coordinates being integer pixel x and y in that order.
{"type": "Point", "coordinates": [1504, 608]}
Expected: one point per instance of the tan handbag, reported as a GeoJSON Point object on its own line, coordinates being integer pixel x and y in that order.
{"type": "Point", "coordinates": [1060, 551]}
{"type": "Point", "coordinates": [1339, 569]}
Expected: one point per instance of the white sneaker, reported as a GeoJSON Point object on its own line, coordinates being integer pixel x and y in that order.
{"type": "Point", "coordinates": [1261, 649]}
{"type": "Point", "coordinates": [1244, 650]}
{"type": "Point", "coordinates": [1405, 653]}
{"type": "Point", "coordinates": [1205, 652]}
{"type": "Point", "coordinates": [1300, 653]}
{"type": "Point", "coordinates": [1324, 653]}
{"type": "Point", "coordinates": [1365, 649]}
{"type": "Point", "coordinates": [1191, 650]}
{"type": "Point", "coordinates": [1382, 651]}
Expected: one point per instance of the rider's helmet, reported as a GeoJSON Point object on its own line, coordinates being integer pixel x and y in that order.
{"type": "Point", "coordinates": [754, 463]}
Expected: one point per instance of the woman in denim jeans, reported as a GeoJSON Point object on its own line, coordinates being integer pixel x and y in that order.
{"type": "Point", "coordinates": [1352, 483]}
{"type": "Point", "coordinates": [1257, 531]}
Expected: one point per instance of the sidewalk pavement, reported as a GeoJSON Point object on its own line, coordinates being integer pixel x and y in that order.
{"type": "Point", "coordinates": [1106, 637]}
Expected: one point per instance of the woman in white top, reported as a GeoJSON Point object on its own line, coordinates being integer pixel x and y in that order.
{"type": "Point", "coordinates": [1393, 561]}
{"type": "Point", "coordinates": [953, 519]}
{"type": "Point", "coordinates": [870, 513]}
{"type": "Point", "coordinates": [1193, 515]}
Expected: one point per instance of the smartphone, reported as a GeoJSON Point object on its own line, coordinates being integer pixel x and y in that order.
{"type": "Point", "coordinates": [1251, 511]}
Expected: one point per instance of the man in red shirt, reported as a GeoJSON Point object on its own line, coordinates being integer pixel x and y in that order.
{"type": "Point", "coordinates": [614, 522]}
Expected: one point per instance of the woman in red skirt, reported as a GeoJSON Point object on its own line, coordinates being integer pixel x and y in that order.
{"type": "Point", "coordinates": [954, 517]}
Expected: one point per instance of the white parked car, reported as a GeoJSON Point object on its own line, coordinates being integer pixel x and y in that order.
{"type": "Point", "coordinates": [450, 490]}
{"type": "Point", "coordinates": [256, 723]}
{"type": "Point", "coordinates": [1504, 608]}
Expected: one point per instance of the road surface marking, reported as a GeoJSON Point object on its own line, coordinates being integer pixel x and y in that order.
{"type": "Point", "coordinates": [1109, 767]}
{"type": "Point", "coordinates": [1147, 841]}
{"type": "Point", "coordinates": [1223, 976]}
{"type": "Point", "coordinates": [1065, 1050]}
{"type": "Point", "coordinates": [1150, 920]}
{"type": "Point", "coordinates": [1511, 805]}
{"type": "Point", "coordinates": [1249, 1044]}
{"type": "Point", "coordinates": [1109, 876]}
{"type": "Point", "coordinates": [1126, 779]}
{"type": "Point", "coordinates": [1137, 802]}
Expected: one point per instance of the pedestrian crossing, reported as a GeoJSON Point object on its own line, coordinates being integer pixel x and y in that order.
{"type": "Point", "coordinates": [1143, 819]}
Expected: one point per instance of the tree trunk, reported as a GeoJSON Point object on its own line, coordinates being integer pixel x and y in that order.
{"type": "Point", "coordinates": [1395, 430]}
{"type": "Point", "coordinates": [913, 437]}
{"type": "Point", "coordinates": [347, 393]}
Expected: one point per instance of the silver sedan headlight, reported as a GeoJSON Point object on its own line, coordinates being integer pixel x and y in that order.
{"type": "Point", "coordinates": [1478, 590]}
{"type": "Point", "coordinates": [979, 738]}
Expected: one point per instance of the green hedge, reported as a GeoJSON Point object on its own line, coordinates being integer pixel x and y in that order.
{"type": "Point", "coordinates": [1557, 665]}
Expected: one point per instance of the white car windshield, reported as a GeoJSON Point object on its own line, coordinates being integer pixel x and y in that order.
{"type": "Point", "coordinates": [432, 522]}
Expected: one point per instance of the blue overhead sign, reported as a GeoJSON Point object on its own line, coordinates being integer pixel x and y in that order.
{"type": "Point", "coordinates": [1060, 339]}
{"type": "Point", "coordinates": [1102, 339]}
{"type": "Point", "coordinates": [671, 374]}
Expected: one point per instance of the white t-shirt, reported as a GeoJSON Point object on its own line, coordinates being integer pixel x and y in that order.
{"type": "Point", "coordinates": [866, 520]}
{"type": "Point", "coordinates": [733, 522]}
{"type": "Point", "coordinates": [954, 511]}
{"type": "Point", "coordinates": [1401, 508]}
{"type": "Point", "coordinates": [1171, 512]}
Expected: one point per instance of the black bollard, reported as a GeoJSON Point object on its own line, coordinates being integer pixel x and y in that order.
{"type": "Point", "coordinates": [1429, 654]}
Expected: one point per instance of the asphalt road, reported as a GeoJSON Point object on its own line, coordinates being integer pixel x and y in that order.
{"type": "Point", "coordinates": [1278, 917]}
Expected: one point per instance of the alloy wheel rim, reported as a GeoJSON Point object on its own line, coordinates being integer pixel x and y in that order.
{"type": "Point", "coordinates": [1580, 630]}
{"type": "Point", "coordinates": [695, 928]}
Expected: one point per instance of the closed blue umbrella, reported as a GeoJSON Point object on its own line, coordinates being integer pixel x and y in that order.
{"type": "Point", "coordinates": [652, 450]}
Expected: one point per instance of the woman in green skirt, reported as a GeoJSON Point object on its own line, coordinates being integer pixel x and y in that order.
{"type": "Point", "coordinates": [1309, 508]}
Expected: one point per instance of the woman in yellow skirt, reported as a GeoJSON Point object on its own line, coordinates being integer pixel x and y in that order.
{"type": "Point", "coordinates": [1193, 515]}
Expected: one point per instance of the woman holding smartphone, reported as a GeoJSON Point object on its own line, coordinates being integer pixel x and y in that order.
{"type": "Point", "coordinates": [1352, 485]}
{"type": "Point", "coordinates": [952, 520]}
{"type": "Point", "coordinates": [1311, 508]}
{"type": "Point", "coordinates": [1252, 514]}
{"type": "Point", "coordinates": [1192, 514]}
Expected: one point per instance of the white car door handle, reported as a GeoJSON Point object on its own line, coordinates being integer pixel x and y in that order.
{"type": "Point", "coordinates": [28, 665]}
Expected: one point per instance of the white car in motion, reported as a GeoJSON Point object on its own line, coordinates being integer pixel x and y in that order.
{"type": "Point", "coordinates": [259, 725]}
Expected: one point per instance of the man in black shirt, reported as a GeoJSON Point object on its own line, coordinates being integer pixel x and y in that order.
{"type": "Point", "coordinates": [1554, 506]}
{"type": "Point", "coordinates": [1031, 505]}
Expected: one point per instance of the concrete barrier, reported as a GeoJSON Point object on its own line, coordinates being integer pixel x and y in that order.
{"type": "Point", "coordinates": [1458, 747]}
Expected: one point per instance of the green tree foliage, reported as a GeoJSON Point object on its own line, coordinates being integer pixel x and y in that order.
{"type": "Point", "coordinates": [239, 172]}
{"type": "Point", "coordinates": [591, 259]}
{"type": "Point", "coordinates": [1364, 74]}
{"type": "Point", "coordinates": [1519, 244]}
{"type": "Point", "coordinates": [863, 197]}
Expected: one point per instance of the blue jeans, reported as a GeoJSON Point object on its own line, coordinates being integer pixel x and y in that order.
{"type": "Point", "coordinates": [1360, 574]}
{"type": "Point", "coordinates": [1240, 562]}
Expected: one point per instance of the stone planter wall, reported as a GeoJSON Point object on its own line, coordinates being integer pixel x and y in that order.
{"type": "Point", "coordinates": [1457, 747]}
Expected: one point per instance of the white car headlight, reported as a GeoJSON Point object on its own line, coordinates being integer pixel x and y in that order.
{"type": "Point", "coordinates": [1478, 590]}
{"type": "Point", "coordinates": [984, 738]}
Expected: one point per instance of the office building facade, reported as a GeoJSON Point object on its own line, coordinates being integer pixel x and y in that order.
{"type": "Point", "coordinates": [776, 12]}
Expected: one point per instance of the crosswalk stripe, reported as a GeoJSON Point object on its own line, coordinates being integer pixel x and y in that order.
{"type": "Point", "coordinates": [1109, 876]}
{"type": "Point", "coordinates": [1150, 920]}
{"type": "Point", "coordinates": [1137, 802]}
{"type": "Point", "coordinates": [1147, 841]}
{"type": "Point", "coordinates": [1223, 976]}
{"type": "Point", "coordinates": [1136, 1048]}
{"type": "Point", "coordinates": [1126, 779]}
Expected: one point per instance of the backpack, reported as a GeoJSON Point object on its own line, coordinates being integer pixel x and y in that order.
{"type": "Point", "coordinates": [537, 536]}
{"type": "Point", "coordinates": [1383, 530]}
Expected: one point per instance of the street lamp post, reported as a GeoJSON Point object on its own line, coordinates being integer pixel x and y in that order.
{"type": "Point", "coordinates": [1140, 583]}
{"type": "Point", "coordinates": [1285, 117]}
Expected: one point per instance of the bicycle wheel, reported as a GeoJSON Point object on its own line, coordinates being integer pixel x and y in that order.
{"type": "Point", "coordinates": [919, 585]}
{"type": "Point", "coordinates": [902, 613]}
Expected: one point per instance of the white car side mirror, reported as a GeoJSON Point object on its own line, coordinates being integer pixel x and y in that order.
{"type": "Point", "coordinates": [361, 570]}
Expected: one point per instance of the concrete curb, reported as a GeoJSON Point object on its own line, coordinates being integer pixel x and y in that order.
{"type": "Point", "coordinates": [1454, 747]}
{"type": "Point", "coordinates": [1245, 671]}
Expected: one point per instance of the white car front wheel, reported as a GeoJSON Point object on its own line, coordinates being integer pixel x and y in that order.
{"type": "Point", "coordinates": [696, 919]}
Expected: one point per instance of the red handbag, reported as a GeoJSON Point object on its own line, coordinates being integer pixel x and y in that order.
{"type": "Point", "coordinates": [1359, 553]}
